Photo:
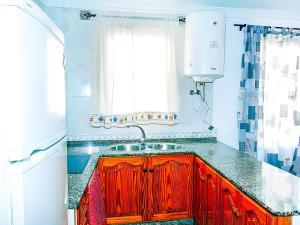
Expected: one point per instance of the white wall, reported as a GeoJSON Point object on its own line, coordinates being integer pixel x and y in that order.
{"type": "Point", "coordinates": [225, 91]}
{"type": "Point", "coordinates": [80, 65]}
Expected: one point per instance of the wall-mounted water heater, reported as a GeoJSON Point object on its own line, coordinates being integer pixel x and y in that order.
{"type": "Point", "coordinates": [204, 46]}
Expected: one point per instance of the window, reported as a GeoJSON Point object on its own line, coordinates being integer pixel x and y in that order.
{"type": "Point", "coordinates": [135, 81]}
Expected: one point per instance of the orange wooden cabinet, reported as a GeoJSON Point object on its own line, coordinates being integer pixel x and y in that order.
{"type": "Point", "coordinates": [218, 202]}
{"type": "Point", "coordinates": [252, 213]}
{"type": "Point", "coordinates": [82, 212]}
{"type": "Point", "coordinates": [206, 194]}
{"type": "Point", "coordinates": [213, 197]}
{"type": "Point", "coordinates": [170, 187]}
{"type": "Point", "coordinates": [123, 181]}
{"type": "Point", "coordinates": [147, 188]}
{"type": "Point", "coordinates": [231, 213]}
{"type": "Point", "coordinates": [200, 194]}
{"type": "Point", "coordinates": [91, 209]}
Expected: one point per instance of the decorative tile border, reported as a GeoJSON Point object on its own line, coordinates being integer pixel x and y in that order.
{"type": "Point", "coordinates": [124, 137]}
{"type": "Point", "coordinates": [133, 119]}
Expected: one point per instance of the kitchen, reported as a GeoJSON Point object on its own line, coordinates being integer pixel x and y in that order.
{"type": "Point", "coordinates": [173, 157]}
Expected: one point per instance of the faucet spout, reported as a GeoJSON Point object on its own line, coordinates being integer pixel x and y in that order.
{"type": "Point", "coordinates": [143, 138]}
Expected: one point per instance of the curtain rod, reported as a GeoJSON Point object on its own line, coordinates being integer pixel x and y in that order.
{"type": "Point", "coordinates": [241, 26]}
{"type": "Point", "coordinates": [88, 15]}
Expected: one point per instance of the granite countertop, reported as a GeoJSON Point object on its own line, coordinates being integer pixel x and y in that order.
{"type": "Point", "coordinates": [274, 189]}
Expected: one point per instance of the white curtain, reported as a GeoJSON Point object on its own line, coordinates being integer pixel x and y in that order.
{"type": "Point", "coordinates": [135, 80]}
{"type": "Point", "coordinates": [279, 127]}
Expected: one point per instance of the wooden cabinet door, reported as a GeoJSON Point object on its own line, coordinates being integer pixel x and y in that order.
{"type": "Point", "coordinates": [123, 182]}
{"type": "Point", "coordinates": [230, 205]}
{"type": "Point", "coordinates": [200, 196]}
{"type": "Point", "coordinates": [82, 212]}
{"type": "Point", "coordinates": [97, 214]}
{"type": "Point", "coordinates": [91, 209]}
{"type": "Point", "coordinates": [170, 187]}
{"type": "Point", "coordinates": [253, 214]}
{"type": "Point", "coordinates": [213, 198]}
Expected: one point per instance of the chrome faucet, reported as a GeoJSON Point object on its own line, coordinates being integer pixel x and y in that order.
{"type": "Point", "coordinates": [143, 139]}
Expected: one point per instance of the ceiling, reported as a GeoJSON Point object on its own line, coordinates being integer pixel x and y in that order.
{"type": "Point", "coordinates": [174, 6]}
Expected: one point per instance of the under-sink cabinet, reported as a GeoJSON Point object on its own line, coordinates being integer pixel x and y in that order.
{"type": "Point", "coordinates": [146, 188]}
{"type": "Point", "coordinates": [166, 187]}
{"type": "Point", "coordinates": [123, 183]}
{"type": "Point", "coordinates": [170, 185]}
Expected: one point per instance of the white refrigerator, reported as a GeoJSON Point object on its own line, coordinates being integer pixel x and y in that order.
{"type": "Point", "coordinates": [33, 171]}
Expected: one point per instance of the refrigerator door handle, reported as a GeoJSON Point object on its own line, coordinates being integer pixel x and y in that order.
{"type": "Point", "coordinates": [36, 152]}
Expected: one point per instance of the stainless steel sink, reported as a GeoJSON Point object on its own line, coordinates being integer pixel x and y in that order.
{"type": "Point", "coordinates": [163, 146]}
{"type": "Point", "coordinates": [128, 147]}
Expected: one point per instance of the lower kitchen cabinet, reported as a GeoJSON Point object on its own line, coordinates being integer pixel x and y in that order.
{"type": "Point", "coordinates": [91, 210]}
{"type": "Point", "coordinates": [206, 194]}
{"type": "Point", "coordinates": [123, 181]}
{"type": "Point", "coordinates": [166, 187]}
{"type": "Point", "coordinates": [230, 199]}
{"type": "Point", "coordinates": [213, 199]}
{"type": "Point", "coordinates": [200, 187]}
{"type": "Point", "coordinates": [147, 188]}
{"type": "Point", "coordinates": [218, 202]}
{"type": "Point", "coordinates": [82, 212]}
{"type": "Point", "coordinates": [252, 213]}
{"type": "Point", "coordinates": [170, 181]}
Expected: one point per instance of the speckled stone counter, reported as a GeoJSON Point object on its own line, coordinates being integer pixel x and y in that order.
{"type": "Point", "coordinates": [274, 189]}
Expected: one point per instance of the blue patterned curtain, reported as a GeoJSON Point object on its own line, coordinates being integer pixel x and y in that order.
{"type": "Point", "coordinates": [270, 97]}
{"type": "Point", "coordinates": [249, 89]}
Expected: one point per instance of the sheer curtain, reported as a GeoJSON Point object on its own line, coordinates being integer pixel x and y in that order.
{"type": "Point", "coordinates": [135, 81]}
{"type": "Point", "coordinates": [270, 97]}
{"type": "Point", "coordinates": [279, 127]}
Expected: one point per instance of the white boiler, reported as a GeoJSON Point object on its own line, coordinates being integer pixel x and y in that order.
{"type": "Point", "coordinates": [204, 45]}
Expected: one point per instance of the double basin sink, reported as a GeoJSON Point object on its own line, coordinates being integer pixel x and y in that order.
{"type": "Point", "coordinates": [141, 147]}
{"type": "Point", "coordinates": [78, 162]}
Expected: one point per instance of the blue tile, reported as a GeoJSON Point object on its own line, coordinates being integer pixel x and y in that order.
{"type": "Point", "coordinates": [272, 158]}
{"type": "Point", "coordinates": [243, 61]}
{"type": "Point", "coordinates": [243, 126]}
{"type": "Point", "coordinates": [251, 112]}
{"type": "Point", "coordinates": [250, 71]}
{"type": "Point", "coordinates": [247, 127]}
{"type": "Point", "coordinates": [242, 83]}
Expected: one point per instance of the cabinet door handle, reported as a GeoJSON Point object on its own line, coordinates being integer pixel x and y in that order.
{"type": "Point", "coordinates": [151, 170]}
{"type": "Point", "coordinates": [145, 170]}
